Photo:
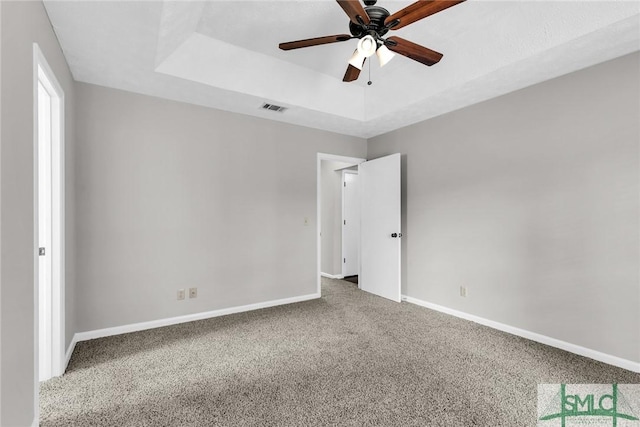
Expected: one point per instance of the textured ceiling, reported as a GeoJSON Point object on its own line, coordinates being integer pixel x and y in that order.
{"type": "Point", "coordinates": [224, 54]}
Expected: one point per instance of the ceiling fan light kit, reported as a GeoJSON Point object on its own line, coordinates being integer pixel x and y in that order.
{"type": "Point", "coordinates": [357, 59]}
{"type": "Point", "coordinates": [367, 46]}
{"type": "Point", "coordinates": [384, 55]}
{"type": "Point", "coordinates": [369, 24]}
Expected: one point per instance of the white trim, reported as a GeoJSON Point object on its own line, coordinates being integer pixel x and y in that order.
{"type": "Point", "coordinates": [35, 422]}
{"type": "Point", "coordinates": [67, 357]}
{"type": "Point", "coordinates": [553, 342]}
{"type": "Point", "coordinates": [320, 158]}
{"type": "Point", "coordinates": [0, 209]}
{"type": "Point", "coordinates": [135, 327]}
{"type": "Point", "coordinates": [332, 276]}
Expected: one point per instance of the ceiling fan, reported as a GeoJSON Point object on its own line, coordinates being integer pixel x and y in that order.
{"type": "Point", "coordinates": [370, 24]}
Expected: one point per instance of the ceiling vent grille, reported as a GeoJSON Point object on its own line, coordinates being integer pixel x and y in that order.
{"type": "Point", "coordinates": [272, 107]}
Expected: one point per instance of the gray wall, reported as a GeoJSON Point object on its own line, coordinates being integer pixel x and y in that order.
{"type": "Point", "coordinates": [22, 24]}
{"type": "Point", "coordinates": [530, 200]}
{"type": "Point", "coordinates": [174, 196]}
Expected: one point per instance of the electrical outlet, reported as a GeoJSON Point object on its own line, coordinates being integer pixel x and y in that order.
{"type": "Point", "coordinates": [180, 294]}
{"type": "Point", "coordinates": [463, 291]}
{"type": "Point", "coordinates": [193, 292]}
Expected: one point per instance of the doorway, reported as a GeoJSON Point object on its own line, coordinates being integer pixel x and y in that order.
{"type": "Point", "coordinates": [329, 214]}
{"type": "Point", "coordinates": [49, 218]}
{"type": "Point", "coordinates": [380, 224]}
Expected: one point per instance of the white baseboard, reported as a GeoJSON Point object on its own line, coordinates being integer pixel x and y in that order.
{"type": "Point", "coordinates": [117, 330]}
{"type": "Point", "coordinates": [72, 346]}
{"type": "Point", "coordinates": [332, 276]}
{"type": "Point", "coordinates": [563, 345]}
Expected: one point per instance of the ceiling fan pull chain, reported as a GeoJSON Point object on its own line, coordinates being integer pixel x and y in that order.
{"type": "Point", "coordinates": [369, 82]}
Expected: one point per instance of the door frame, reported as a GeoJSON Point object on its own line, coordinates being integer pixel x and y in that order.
{"type": "Point", "coordinates": [319, 158]}
{"type": "Point", "coordinates": [42, 72]}
{"type": "Point", "coordinates": [342, 248]}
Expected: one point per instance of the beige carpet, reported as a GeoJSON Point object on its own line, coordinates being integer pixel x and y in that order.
{"type": "Point", "coordinates": [349, 358]}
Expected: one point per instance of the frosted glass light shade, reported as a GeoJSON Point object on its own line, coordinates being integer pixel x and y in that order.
{"type": "Point", "coordinates": [384, 55]}
{"type": "Point", "coordinates": [367, 46]}
{"type": "Point", "coordinates": [357, 59]}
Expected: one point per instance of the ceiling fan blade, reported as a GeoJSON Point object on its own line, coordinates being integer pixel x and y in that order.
{"type": "Point", "coordinates": [352, 72]}
{"type": "Point", "coordinates": [314, 42]}
{"type": "Point", "coordinates": [417, 11]}
{"type": "Point", "coordinates": [354, 9]}
{"type": "Point", "coordinates": [413, 51]}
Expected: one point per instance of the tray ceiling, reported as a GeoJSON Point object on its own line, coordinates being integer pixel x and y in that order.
{"type": "Point", "coordinates": [224, 54]}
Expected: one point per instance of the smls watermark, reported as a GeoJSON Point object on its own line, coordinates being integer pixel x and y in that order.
{"type": "Point", "coordinates": [595, 405]}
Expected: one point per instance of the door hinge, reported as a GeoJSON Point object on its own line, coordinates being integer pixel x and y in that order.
{"type": "Point", "coordinates": [344, 260]}
{"type": "Point", "coordinates": [41, 251]}
{"type": "Point", "coordinates": [345, 222]}
{"type": "Point", "coordinates": [345, 183]}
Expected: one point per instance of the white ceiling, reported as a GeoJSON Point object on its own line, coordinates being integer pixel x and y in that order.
{"type": "Point", "coordinates": [224, 54]}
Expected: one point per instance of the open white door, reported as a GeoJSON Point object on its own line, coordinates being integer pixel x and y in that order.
{"type": "Point", "coordinates": [350, 223]}
{"type": "Point", "coordinates": [49, 292]}
{"type": "Point", "coordinates": [380, 227]}
{"type": "Point", "coordinates": [44, 233]}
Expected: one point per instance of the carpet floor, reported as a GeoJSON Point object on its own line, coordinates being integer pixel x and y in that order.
{"type": "Point", "coordinates": [349, 358]}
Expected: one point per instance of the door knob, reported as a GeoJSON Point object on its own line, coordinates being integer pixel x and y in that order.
{"type": "Point", "coordinates": [394, 235]}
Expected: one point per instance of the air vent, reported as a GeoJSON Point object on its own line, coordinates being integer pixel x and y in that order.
{"type": "Point", "coordinates": [272, 107]}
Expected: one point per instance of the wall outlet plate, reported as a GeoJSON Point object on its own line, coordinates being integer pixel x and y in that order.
{"type": "Point", "coordinates": [180, 294]}
{"type": "Point", "coordinates": [463, 291]}
{"type": "Point", "coordinates": [193, 292]}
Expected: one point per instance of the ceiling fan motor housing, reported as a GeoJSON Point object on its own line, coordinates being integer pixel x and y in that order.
{"type": "Point", "coordinates": [377, 15]}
